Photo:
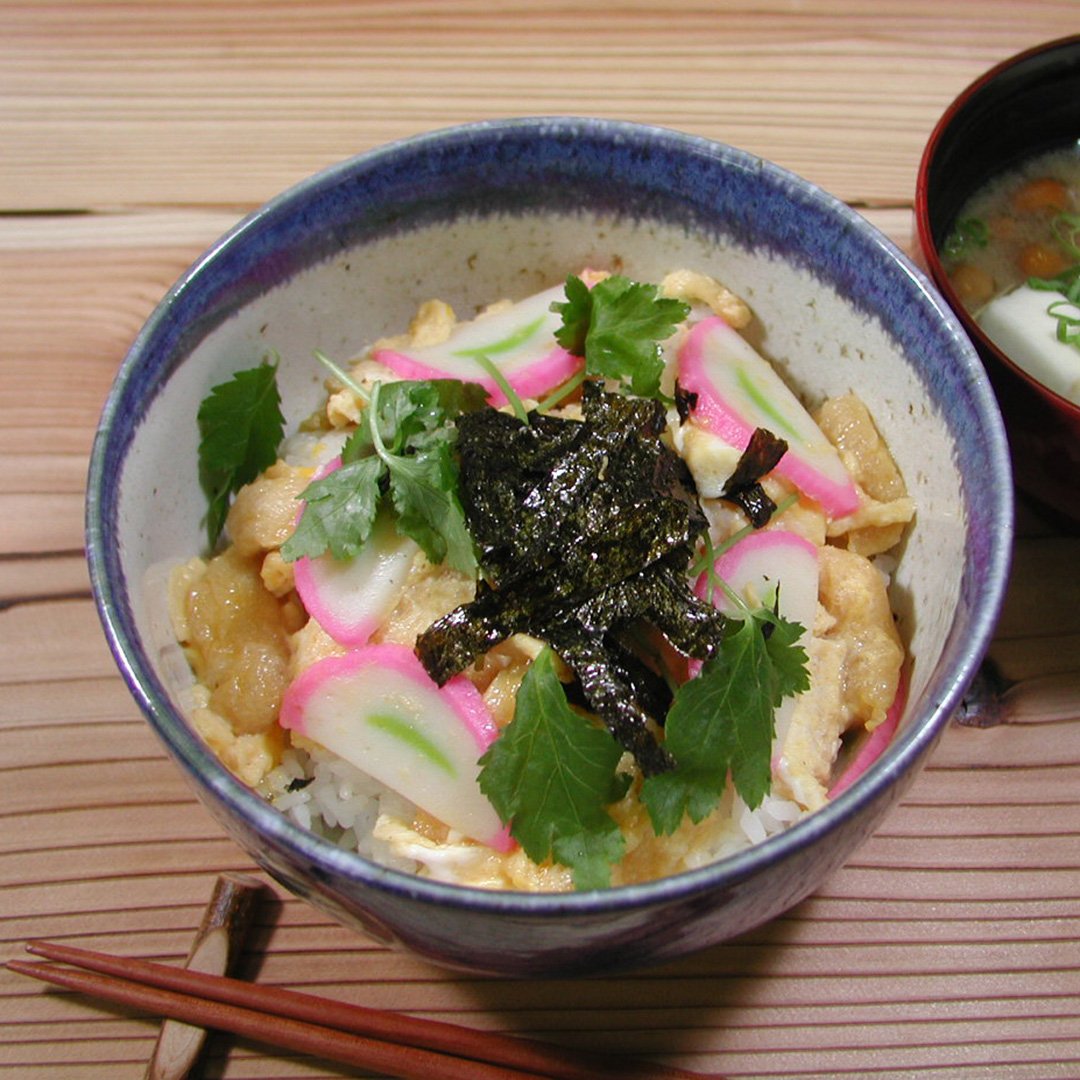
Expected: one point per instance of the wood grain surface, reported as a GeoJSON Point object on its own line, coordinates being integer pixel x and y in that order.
{"type": "Point", "coordinates": [133, 135]}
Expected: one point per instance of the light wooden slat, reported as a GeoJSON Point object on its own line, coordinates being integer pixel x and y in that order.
{"type": "Point", "coordinates": [1013, 746]}
{"type": "Point", "coordinates": [38, 470]}
{"type": "Point", "coordinates": [51, 642]}
{"type": "Point", "coordinates": [910, 914]}
{"type": "Point", "coordinates": [120, 782]}
{"type": "Point", "coordinates": [964, 791]}
{"type": "Point", "coordinates": [106, 860]}
{"type": "Point", "coordinates": [54, 842]}
{"type": "Point", "coordinates": [34, 578]}
{"type": "Point", "coordinates": [99, 743]}
{"type": "Point", "coordinates": [66, 702]}
{"type": "Point", "coordinates": [235, 122]}
{"type": "Point", "coordinates": [458, 23]}
{"type": "Point", "coordinates": [995, 819]}
{"type": "Point", "coordinates": [53, 519]}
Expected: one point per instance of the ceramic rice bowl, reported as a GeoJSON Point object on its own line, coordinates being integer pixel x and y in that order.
{"type": "Point", "coordinates": [504, 209]}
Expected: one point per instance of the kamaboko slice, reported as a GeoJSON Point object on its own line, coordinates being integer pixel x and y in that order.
{"type": "Point", "coordinates": [519, 340]}
{"type": "Point", "coordinates": [766, 567]}
{"type": "Point", "coordinates": [350, 598]}
{"type": "Point", "coordinates": [737, 391]}
{"type": "Point", "coordinates": [377, 708]}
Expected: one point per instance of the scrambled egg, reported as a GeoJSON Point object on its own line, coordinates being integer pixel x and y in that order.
{"type": "Point", "coordinates": [854, 657]}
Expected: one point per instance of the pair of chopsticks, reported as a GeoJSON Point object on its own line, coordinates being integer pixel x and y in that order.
{"type": "Point", "coordinates": [398, 1045]}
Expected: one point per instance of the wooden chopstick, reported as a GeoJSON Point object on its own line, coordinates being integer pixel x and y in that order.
{"type": "Point", "coordinates": [394, 1059]}
{"type": "Point", "coordinates": [395, 1043]}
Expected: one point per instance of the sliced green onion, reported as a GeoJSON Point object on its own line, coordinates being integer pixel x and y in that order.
{"type": "Point", "coordinates": [1067, 231]}
{"type": "Point", "coordinates": [966, 233]}
{"type": "Point", "coordinates": [1066, 312]}
{"type": "Point", "coordinates": [1068, 321]}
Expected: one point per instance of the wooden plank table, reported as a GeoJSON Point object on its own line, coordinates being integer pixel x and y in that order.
{"type": "Point", "coordinates": [133, 135]}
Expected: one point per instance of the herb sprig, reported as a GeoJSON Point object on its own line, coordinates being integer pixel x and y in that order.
{"type": "Point", "coordinates": [241, 427]}
{"type": "Point", "coordinates": [617, 326]}
{"type": "Point", "coordinates": [403, 450]}
{"type": "Point", "coordinates": [552, 773]}
{"type": "Point", "coordinates": [722, 721]}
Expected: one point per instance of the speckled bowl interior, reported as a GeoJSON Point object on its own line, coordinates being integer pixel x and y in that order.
{"type": "Point", "coordinates": [503, 209]}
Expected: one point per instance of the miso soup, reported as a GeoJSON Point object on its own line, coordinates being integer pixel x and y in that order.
{"type": "Point", "coordinates": [1013, 259]}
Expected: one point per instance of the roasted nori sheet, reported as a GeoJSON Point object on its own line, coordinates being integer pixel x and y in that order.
{"type": "Point", "coordinates": [585, 531]}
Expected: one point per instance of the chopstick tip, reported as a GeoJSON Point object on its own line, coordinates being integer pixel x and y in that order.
{"type": "Point", "coordinates": [38, 947]}
{"type": "Point", "coordinates": [24, 967]}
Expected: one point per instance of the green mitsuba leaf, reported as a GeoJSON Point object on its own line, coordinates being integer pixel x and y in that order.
{"type": "Point", "coordinates": [552, 773]}
{"type": "Point", "coordinates": [403, 449]}
{"type": "Point", "coordinates": [618, 325]}
{"type": "Point", "coordinates": [339, 512]}
{"type": "Point", "coordinates": [423, 487]}
{"type": "Point", "coordinates": [722, 722]}
{"type": "Point", "coordinates": [240, 428]}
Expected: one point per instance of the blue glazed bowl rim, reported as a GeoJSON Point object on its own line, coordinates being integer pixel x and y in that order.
{"type": "Point", "coordinates": [330, 862]}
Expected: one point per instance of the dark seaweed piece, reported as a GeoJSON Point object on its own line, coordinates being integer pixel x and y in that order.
{"type": "Point", "coordinates": [584, 528]}
{"type": "Point", "coordinates": [693, 626]}
{"type": "Point", "coordinates": [660, 595]}
{"type": "Point", "coordinates": [685, 402]}
{"type": "Point", "coordinates": [610, 696]}
{"type": "Point", "coordinates": [569, 507]}
{"type": "Point", "coordinates": [630, 663]}
{"type": "Point", "coordinates": [505, 468]}
{"type": "Point", "coordinates": [754, 502]}
{"type": "Point", "coordinates": [463, 635]}
{"type": "Point", "coordinates": [761, 456]}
